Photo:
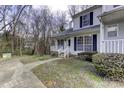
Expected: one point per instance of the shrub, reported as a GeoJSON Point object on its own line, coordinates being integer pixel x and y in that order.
{"type": "Point", "coordinates": [27, 51]}
{"type": "Point", "coordinates": [110, 65]}
{"type": "Point", "coordinates": [87, 56]}
{"type": "Point", "coordinates": [54, 53]}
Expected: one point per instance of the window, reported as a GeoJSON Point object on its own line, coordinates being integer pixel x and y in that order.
{"type": "Point", "coordinates": [112, 30]}
{"type": "Point", "coordinates": [115, 6]}
{"type": "Point", "coordinates": [84, 43]}
{"type": "Point", "coordinates": [88, 43]}
{"type": "Point", "coordinates": [52, 42]}
{"type": "Point", "coordinates": [80, 43]}
{"type": "Point", "coordinates": [60, 44]}
{"type": "Point", "coordinates": [86, 20]}
{"type": "Point", "coordinates": [88, 39]}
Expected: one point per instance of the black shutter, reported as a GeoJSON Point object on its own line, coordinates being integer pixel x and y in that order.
{"type": "Point", "coordinates": [69, 42]}
{"type": "Point", "coordinates": [91, 18]}
{"type": "Point", "coordinates": [94, 42]}
{"type": "Point", "coordinates": [75, 43]}
{"type": "Point", "coordinates": [80, 21]}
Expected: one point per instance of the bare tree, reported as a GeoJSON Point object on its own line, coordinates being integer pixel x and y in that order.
{"type": "Point", "coordinates": [73, 9]}
{"type": "Point", "coordinates": [40, 24]}
{"type": "Point", "coordinates": [21, 21]}
{"type": "Point", "coordinates": [15, 15]}
{"type": "Point", "coordinates": [60, 21]}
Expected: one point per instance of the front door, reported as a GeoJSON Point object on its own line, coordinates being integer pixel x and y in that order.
{"type": "Point", "coordinates": [94, 42]}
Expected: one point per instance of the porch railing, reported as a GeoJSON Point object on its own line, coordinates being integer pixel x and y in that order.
{"type": "Point", "coordinates": [113, 46]}
{"type": "Point", "coordinates": [65, 52]}
{"type": "Point", "coordinates": [60, 50]}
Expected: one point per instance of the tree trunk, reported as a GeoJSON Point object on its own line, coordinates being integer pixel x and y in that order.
{"type": "Point", "coordinates": [20, 47]}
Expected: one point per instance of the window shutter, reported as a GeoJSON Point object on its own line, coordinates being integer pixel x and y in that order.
{"type": "Point", "coordinates": [80, 21]}
{"type": "Point", "coordinates": [91, 18]}
{"type": "Point", "coordinates": [94, 42]}
{"type": "Point", "coordinates": [75, 43]}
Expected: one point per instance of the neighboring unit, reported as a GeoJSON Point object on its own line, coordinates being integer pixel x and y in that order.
{"type": "Point", "coordinates": [95, 29]}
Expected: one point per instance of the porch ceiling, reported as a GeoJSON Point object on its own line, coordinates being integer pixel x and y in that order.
{"type": "Point", "coordinates": [113, 16]}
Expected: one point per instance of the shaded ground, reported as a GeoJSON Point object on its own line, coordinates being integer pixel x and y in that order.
{"type": "Point", "coordinates": [34, 58]}
{"type": "Point", "coordinates": [54, 72]}
{"type": "Point", "coordinates": [25, 59]}
{"type": "Point", "coordinates": [15, 74]}
{"type": "Point", "coordinates": [71, 73]}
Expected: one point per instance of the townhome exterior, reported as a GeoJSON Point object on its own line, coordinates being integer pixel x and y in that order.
{"type": "Point", "coordinates": [99, 28]}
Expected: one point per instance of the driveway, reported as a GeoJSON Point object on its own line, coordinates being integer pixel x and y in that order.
{"type": "Point", "coordinates": [14, 74]}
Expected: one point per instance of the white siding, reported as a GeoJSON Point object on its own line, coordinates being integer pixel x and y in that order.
{"type": "Point", "coordinates": [76, 22]}
{"type": "Point", "coordinates": [107, 8]}
{"type": "Point", "coordinates": [96, 13]}
{"type": "Point", "coordinates": [98, 42]}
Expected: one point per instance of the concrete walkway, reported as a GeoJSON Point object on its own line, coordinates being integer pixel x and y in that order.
{"type": "Point", "coordinates": [14, 74]}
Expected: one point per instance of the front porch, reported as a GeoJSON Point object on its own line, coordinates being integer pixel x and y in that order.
{"type": "Point", "coordinates": [81, 43]}
{"type": "Point", "coordinates": [112, 31]}
{"type": "Point", "coordinates": [113, 46]}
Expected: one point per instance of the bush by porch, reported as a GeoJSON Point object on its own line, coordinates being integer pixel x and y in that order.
{"type": "Point", "coordinates": [86, 56]}
{"type": "Point", "coordinates": [110, 65]}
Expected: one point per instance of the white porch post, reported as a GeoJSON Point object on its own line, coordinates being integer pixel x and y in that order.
{"type": "Point", "coordinates": [101, 37]}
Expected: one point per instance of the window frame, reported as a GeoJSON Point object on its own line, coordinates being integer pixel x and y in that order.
{"type": "Point", "coordinates": [53, 42]}
{"type": "Point", "coordinates": [84, 42]}
{"type": "Point", "coordinates": [86, 19]}
{"type": "Point", "coordinates": [117, 25]}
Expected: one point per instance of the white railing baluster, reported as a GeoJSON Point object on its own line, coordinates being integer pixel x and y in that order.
{"type": "Point", "coordinates": [118, 47]}
{"type": "Point", "coordinates": [114, 47]}
{"type": "Point", "coordinates": [122, 46]}
{"type": "Point", "coordinates": [111, 46]}
{"type": "Point", "coordinates": [103, 46]}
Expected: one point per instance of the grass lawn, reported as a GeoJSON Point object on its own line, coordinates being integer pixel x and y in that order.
{"type": "Point", "coordinates": [72, 73]}
{"type": "Point", "coordinates": [34, 58]}
{"type": "Point", "coordinates": [9, 59]}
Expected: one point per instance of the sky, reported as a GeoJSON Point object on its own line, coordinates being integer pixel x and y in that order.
{"type": "Point", "coordinates": [56, 7]}
{"type": "Point", "coordinates": [59, 7]}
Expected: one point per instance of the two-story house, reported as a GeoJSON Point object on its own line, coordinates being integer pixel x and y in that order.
{"type": "Point", "coordinates": [98, 28]}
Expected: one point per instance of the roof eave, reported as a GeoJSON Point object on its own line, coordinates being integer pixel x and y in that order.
{"type": "Point", "coordinates": [110, 12]}
{"type": "Point", "coordinates": [89, 9]}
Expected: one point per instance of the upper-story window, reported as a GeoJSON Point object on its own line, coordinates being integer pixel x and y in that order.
{"type": "Point", "coordinates": [86, 20]}
{"type": "Point", "coordinates": [115, 6]}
